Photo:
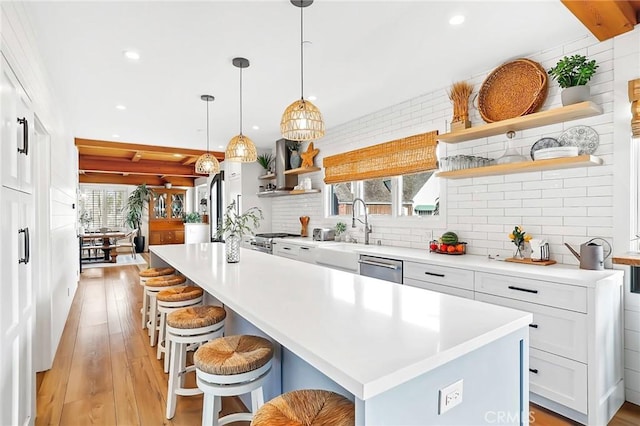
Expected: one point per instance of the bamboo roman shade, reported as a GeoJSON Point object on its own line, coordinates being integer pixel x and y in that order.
{"type": "Point", "coordinates": [412, 154]}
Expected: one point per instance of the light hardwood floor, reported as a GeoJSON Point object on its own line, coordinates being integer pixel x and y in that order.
{"type": "Point", "coordinates": [105, 373]}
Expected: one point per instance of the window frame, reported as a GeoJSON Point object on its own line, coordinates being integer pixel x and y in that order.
{"type": "Point", "coordinates": [396, 219]}
{"type": "Point", "coordinates": [104, 210]}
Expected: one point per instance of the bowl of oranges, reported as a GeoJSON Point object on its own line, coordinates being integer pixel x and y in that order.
{"type": "Point", "coordinates": [448, 243]}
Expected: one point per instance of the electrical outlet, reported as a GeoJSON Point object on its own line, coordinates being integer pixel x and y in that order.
{"type": "Point", "coordinates": [449, 397]}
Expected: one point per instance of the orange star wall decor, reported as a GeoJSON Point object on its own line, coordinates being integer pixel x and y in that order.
{"type": "Point", "coordinates": [307, 157]}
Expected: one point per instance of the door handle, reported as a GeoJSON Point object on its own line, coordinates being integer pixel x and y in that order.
{"type": "Point", "coordinates": [25, 136]}
{"type": "Point", "coordinates": [380, 264]}
{"type": "Point", "coordinates": [534, 370]}
{"type": "Point", "coordinates": [27, 249]}
{"type": "Point", "coordinates": [533, 325]}
{"type": "Point", "coordinates": [523, 289]}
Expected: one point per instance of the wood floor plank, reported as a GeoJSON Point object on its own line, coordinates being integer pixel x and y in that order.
{"type": "Point", "coordinates": [123, 389]}
{"type": "Point", "coordinates": [149, 399]}
{"type": "Point", "coordinates": [98, 409]}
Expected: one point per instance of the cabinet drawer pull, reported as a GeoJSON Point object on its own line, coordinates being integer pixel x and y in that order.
{"type": "Point", "coordinates": [533, 325]}
{"type": "Point", "coordinates": [286, 248]}
{"type": "Point", "coordinates": [25, 136]}
{"type": "Point", "coordinates": [304, 248]}
{"type": "Point", "coordinates": [27, 248]}
{"type": "Point", "coordinates": [534, 370]}
{"type": "Point", "coordinates": [527, 290]}
{"type": "Point", "coordinates": [433, 274]}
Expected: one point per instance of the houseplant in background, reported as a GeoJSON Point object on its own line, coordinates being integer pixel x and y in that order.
{"type": "Point", "coordinates": [193, 217]}
{"type": "Point", "coordinates": [341, 228]}
{"type": "Point", "coordinates": [294, 158]}
{"type": "Point", "coordinates": [235, 225]}
{"type": "Point", "coordinates": [519, 237]}
{"type": "Point", "coordinates": [265, 161]}
{"type": "Point", "coordinates": [133, 209]}
{"type": "Point", "coordinates": [572, 74]}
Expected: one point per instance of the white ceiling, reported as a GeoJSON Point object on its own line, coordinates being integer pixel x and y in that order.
{"type": "Point", "coordinates": [364, 56]}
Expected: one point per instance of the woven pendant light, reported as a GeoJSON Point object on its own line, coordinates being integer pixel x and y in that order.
{"type": "Point", "coordinates": [241, 148]}
{"type": "Point", "coordinates": [207, 164]}
{"type": "Point", "coordinates": [302, 120]}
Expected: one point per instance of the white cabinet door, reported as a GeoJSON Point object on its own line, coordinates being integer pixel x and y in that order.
{"type": "Point", "coordinates": [17, 316]}
{"type": "Point", "coordinates": [15, 132]}
{"type": "Point", "coordinates": [307, 254]}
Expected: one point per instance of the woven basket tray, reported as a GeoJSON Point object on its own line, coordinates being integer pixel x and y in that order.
{"type": "Point", "coordinates": [513, 89]}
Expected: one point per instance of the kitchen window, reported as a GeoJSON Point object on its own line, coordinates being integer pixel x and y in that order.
{"type": "Point", "coordinates": [409, 195]}
{"type": "Point", "coordinates": [102, 208]}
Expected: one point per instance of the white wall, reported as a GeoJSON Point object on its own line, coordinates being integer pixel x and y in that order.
{"type": "Point", "coordinates": [564, 206]}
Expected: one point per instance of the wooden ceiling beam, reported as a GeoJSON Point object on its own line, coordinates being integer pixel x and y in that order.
{"type": "Point", "coordinates": [191, 160]}
{"type": "Point", "coordinates": [137, 156]}
{"type": "Point", "coordinates": [138, 148]}
{"type": "Point", "coordinates": [605, 18]}
{"type": "Point", "coordinates": [143, 167]}
{"type": "Point", "coordinates": [115, 179]}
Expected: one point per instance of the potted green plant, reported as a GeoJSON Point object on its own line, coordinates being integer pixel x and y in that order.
{"type": "Point", "coordinates": [133, 209]}
{"type": "Point", "coordinates": [265, 161]}
{"type": "Point", "coordinates": [193, 217]}
{"type": "Point", "coordinates": [572, 74]}
{"type": "Point", "coordinates": [235, 225]}
{"type": "Point", "coordinates": [341, 228]}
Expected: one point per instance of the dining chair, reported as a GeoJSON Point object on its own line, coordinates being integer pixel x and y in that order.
{"type": "Point", "coordinates": [127, 241]}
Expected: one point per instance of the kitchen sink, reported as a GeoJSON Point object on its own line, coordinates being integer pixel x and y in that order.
{"type": "Point", "coordinates": [341, 256]}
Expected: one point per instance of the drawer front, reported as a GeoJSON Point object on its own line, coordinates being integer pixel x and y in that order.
{"type": "Point", "coordinates": [443, 275]}
{"type": "Point", "coordinates": [454, 291]}
{"type": "Point", "coordinates": [558, 379]}
{"type": "Point", "coordinates": [286, 250]}
{"type": "Point", "coordinates": [542, 292]}
{"type": "Point", "coordinates": [553, 330]}
{"type": "Point", "coordinates": [307, 254]}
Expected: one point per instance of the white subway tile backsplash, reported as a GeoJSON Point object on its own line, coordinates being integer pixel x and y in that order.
{"type": "Point", "coordinates": [520, 195]}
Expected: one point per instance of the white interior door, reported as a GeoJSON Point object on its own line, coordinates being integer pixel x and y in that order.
{"type": "Point", "coordinates": [9, 127]}
{"type": "Point", "coordinates": [17, 316]}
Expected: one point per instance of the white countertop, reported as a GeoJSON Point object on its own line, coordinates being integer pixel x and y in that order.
{"type": "Point", "coordinates": [365, 334]}
{"type": "Point", "coordinates": [565, 274]}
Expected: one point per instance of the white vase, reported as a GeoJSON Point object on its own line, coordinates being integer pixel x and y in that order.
{"type": "Point", "coordinates": [575, 95]}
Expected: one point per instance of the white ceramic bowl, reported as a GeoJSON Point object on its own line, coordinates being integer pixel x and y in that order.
{"type": "Point", "coordinates": [555, 152]}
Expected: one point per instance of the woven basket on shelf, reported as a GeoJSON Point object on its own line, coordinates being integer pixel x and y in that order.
{"type": "Point", "coordinates": [513, 89]}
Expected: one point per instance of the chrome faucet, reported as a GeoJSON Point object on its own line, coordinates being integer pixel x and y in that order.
{"type": "Point", "coordinates": [367, 227]}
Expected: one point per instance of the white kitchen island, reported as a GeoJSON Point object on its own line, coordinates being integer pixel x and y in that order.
{"type": "Point", "coordinates": [389, 347]}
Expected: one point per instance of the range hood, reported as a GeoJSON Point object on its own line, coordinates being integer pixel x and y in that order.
{"type": "Point", "coordinates": [284, 183]}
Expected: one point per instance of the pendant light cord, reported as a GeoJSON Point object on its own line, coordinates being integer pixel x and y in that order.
{"type": "Point", "coordinates": [207, 125]}
{"type": "Point", "coordinates": [241, 100]}
{"type": "Point", "coordinates": [301, 53]}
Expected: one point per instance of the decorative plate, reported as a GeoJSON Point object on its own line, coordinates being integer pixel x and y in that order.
{"type": "Point", "coordinates": [544, 143]}
{"type": "Point", "coordinates": [584, 137]}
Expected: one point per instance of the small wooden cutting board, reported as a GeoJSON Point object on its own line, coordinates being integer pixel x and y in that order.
{"type": "Point", "coordinates": [531, 262]}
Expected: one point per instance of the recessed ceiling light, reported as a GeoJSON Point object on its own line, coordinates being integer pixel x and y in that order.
{"type": "Point", "coordinates": [115, 135]}
{"type": "Point", "coordinates": [121, 107]}
{"type": "Point", "coordinates": [312, 98]}
{"type": "Point", "coordinates": [177, 155]}
{"type": "Point", "coordinates": [221, 146]}
{"type": "Point", "coordinates": [255, 127]}
{"type": "Point", "coordinates": [131, 54]}
{"type": "Point", "coordinates": [456, 20]}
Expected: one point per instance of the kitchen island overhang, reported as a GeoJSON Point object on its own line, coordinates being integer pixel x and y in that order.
{"type": "Point", "coordinates": [373, 338]}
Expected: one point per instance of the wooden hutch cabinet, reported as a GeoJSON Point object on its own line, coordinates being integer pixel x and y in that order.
{"type": "Point", "coordinates": [165, 216]}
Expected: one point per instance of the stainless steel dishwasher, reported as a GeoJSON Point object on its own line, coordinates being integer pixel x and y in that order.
{"type": "Point", "coordinates": [381, 267]}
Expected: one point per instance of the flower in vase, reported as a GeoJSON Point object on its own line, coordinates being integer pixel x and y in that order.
{"type": "Point", "coordinates": [519, 236]}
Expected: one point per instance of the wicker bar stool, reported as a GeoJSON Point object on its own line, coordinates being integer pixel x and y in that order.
{"type": "Point", "coordinates": [188, 327]}
{"type": "Point", "coordinates": [307, 408]}
{"type": "Point", "coordinates": [151, 289]}
{"type": "Point", "coordinates": [230, 366]}
{"type": "Point", "coordinates": [144, 275]}
{"type": "Point", "coordinates": [171, 300]}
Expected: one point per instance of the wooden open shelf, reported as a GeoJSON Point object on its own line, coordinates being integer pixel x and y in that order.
{"type": "Point", "coordinates": [543, 118]}
{"type": "Point", "coordinates": [303, 191]}
{"type": "Point", "coordinates": [524, 167]}
{"type": "Point", "coordinates": [267, 176]}
{"type": "Point", "coordinates": [302, 170]}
